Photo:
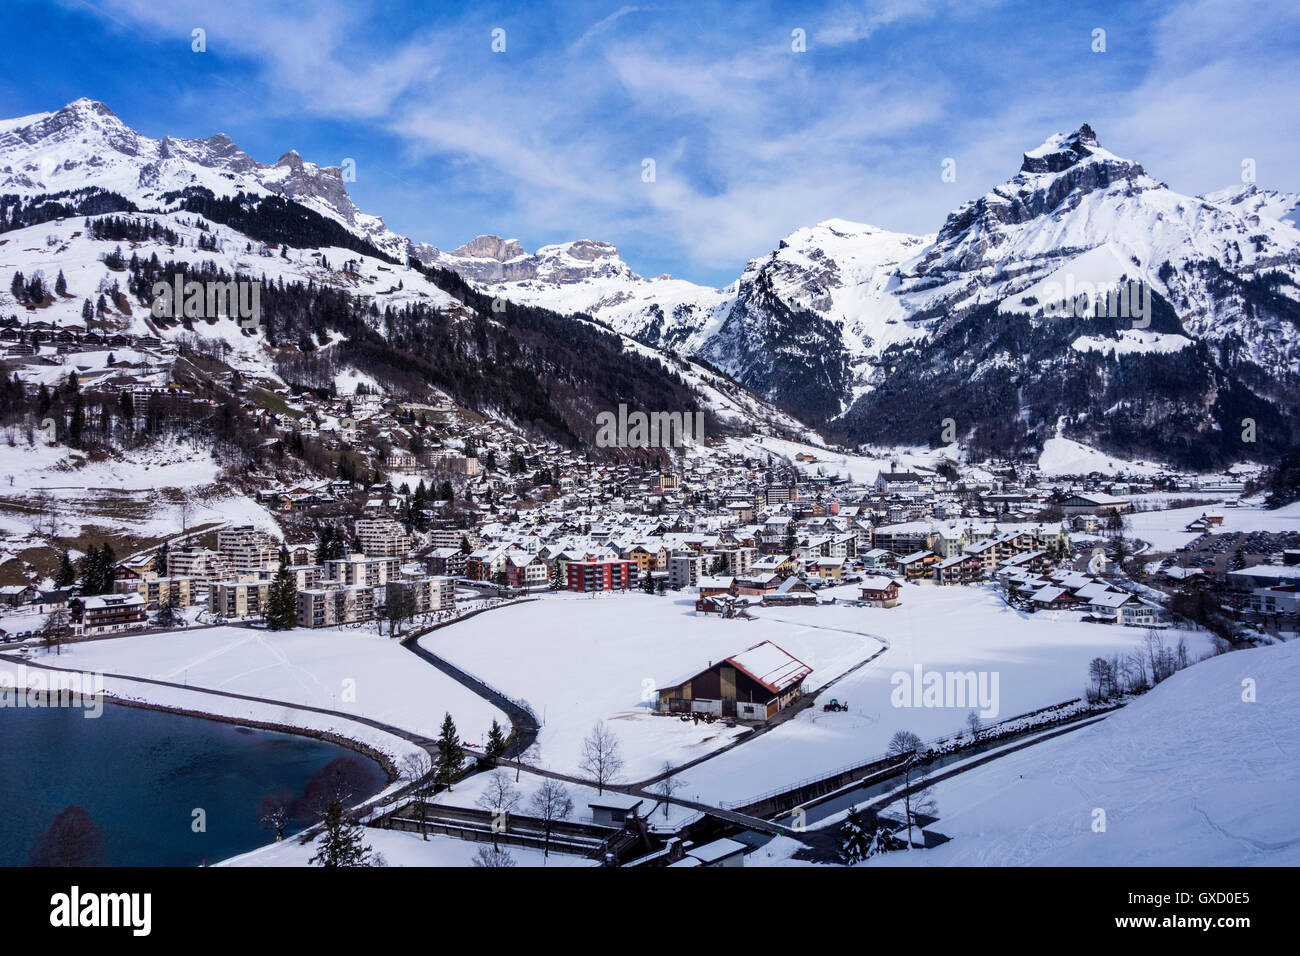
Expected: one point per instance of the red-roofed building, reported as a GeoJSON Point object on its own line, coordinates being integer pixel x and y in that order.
{"type": "Point", "coordinates": [755, 684]}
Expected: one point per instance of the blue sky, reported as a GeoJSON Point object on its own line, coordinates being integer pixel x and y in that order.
{"type": "Point", "coordinates": [751, 139]}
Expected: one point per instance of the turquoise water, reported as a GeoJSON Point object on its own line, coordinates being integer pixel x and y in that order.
{"type": "Point", "coordinates": [141, 774]}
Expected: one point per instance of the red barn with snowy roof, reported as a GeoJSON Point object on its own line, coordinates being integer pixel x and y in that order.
{"type": "Point", "coordinates": [755, 684]}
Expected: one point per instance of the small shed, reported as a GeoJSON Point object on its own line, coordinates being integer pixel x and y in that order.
{"type": "Point", "coordinates": [724, 852]}
{"type": "Point", "coordinates": [613, 809]}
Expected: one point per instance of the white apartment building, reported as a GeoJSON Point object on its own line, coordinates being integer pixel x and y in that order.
{"type": "Point", "coordinates": [383, 538]}
{"type": "Point", "coordinates": [246, 548]}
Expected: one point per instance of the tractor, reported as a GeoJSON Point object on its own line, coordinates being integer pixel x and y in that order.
{"type": "Point", "coordinates": [835, 706]}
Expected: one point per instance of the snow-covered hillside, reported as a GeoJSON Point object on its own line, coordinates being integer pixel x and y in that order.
{"type": "Point", "coordinates": [1192, 774]}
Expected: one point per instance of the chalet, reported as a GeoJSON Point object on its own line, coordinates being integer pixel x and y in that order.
{"type": "Point", "coordinates": [106, 613]}
{"type": "Point", "coordinates": [877, 591]}
{"type": "Point", "coordinates": [448, 561]}
{"type": "Point", "coordinates": [1119, 607]}
{"type": "Point", "coordinates": [986, 552]}
{"type": "Point", "coordinates": [1051, 597]}
{"type": "Point", "coordinates": [755, 684]}
{"type": "Point", "coordinates": [715, 584]}
{"type": "Point", "coordinates": [524, 570]}
{"type": "Point", "coordinates": [722, 605]}
{"type": "Point", "coordinates": [15, 595]}
{"type": "Point", "coordinates": [791, 592]}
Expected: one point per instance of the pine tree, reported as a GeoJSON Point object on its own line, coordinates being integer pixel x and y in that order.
{"type": "Point", "coordinates": [66, 574]}
{"type": "Point", "coordinates": [127, 402]}
{"type": "Point", "coordinates": [282, 602]}
{"type": "Point", "coordinates": [855, 840]}
{"type": "Point", "coordinates": [451, 755]}
{"type": "Point", "coordinates": [92, 570]}
{"type": "Point", "coordinates": [341, 843]}
{"type": "Point", "coordinates": [77, 422]}
{"type": "Point", "coordinates": [496, 741]}
{"type": "Point", "coordinates": [61, 284]}
{"type": "Point", "coordinates": [160, 559]}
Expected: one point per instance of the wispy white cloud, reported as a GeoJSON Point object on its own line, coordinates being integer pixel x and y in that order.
{"type": "Point", "coordinates": [600, 26]}
{"type": "Point", "coordinates": [752, 140]}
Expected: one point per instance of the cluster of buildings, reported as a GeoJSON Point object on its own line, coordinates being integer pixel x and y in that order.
{"type": "Point", "coordinates": [235, 578]}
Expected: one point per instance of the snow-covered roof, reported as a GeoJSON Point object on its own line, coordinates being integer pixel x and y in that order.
{"type": "Point", "coordinates": [717, 850]}
{"type": "Point", "coordinates": [771, 666]}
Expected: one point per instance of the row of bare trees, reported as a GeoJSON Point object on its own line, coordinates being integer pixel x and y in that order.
{"type": "Point", "coordinates": [1137, 671]}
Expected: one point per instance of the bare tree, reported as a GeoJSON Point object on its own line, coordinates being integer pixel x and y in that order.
{"type": "Point", "coordinates": [43, 517]}
{"type": "Point", "coordinates": [273, 812]}
{"type": "Point", "coordinates": [1099, 674]}
{"type": "Point", "coordinates": [532, 752]}
{"type": "Point", "coordinates": [600, 756]}
{"type": "Point", "coordinates": [668, 786]}
{"type": "Point", "coordinates": [55, 630]}
{"type": "Point", "coordinates": [551, 802]}
{"type": "Point", "coordinates": [500, 797]}
{"type": "Point", "coordinates": [417, 770]}
{"type": "Point", "coordinates": [493, 857]}
{"type": "Point", "coordinates": [907, 745]}
{"type": "Point", "coordinates": [974, 724]}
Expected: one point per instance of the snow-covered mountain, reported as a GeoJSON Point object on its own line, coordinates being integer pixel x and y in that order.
{"type": "Point", "coordinates": [843, 320]}
{"type": "Point", "coordinates": [877, 336]}
{"type": "Point", "coordinates": [207, 207]}
{"type": "Point", "coordinates": [85, 145]}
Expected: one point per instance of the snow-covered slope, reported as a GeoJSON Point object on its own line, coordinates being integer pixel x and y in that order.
{"type": "Point", "coordinates": [1191, 774]}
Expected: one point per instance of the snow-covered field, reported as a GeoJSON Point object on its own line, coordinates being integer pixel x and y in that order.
{"type": "Point", "coordinates": [1190, 774]}
{"type": "Point", "coordinates": [580, 660]}
{"type": "Point", "coordinates": [1165, 529]}
{"type": "Point", "coordinates": [1038, 660]}
{"type": "Point", "coordinates": [352, 671]}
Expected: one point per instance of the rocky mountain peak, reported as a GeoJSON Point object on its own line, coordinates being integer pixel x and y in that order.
{"type": "Point", "coordinates": [290, 159]}
{"type": "Point", "coordinates": [1061, 151]}
{"type": "Point", "coordinates": [491, 247]}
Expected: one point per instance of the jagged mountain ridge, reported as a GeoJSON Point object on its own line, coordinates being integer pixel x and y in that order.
{"type": "Point", "coordinates": [825, 321]}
